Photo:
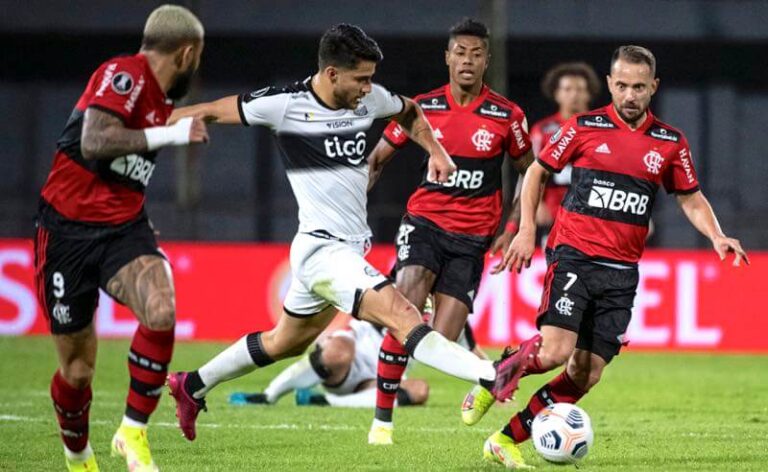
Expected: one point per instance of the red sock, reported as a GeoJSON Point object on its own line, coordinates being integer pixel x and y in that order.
{"type": "Point", "coordinates": [560, 390]}
{"type": "Point", "coordinates": [148, 361]}
{"type": "Point", "coordinates": [392, 362]}
{"type": "Point", "coordinates": [72, 406]}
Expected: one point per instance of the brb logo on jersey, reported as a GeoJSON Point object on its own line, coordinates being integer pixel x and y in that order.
{"type": "Point", "coordinates": [603, 195]}
{"type": "Point", "coordinates": [134, 167]}
{"type": "Point", "coordinates": [653, 162]}
{"type": "Point", "coordinates": [482, 139]}
{"type": "Point", "coordinates": [351, 149]}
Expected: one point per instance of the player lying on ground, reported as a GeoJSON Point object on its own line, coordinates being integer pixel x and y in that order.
{"type": "Point", "coordinates": [344, 362]}
{"type": "Point", "coordinates": [93, 232]}
{"type": "Point", "coordinates": [621, 154]}
{"type": "Point", "coordinates": [449, 227]}
{"type": "Point", "coordinates": [320, 125]}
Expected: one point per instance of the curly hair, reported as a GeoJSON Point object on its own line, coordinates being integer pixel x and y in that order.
{"type": "Point", "coordinates": [469, 27]}
{"type": "Point", "coordinates": [551, 80]}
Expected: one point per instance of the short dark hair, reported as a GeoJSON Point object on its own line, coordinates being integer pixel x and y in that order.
{"type": "Point", "coordinates": [345, 45]}
{"type": "Point", "coordinates": [469, 27]}
{"type": "Point", "coordinates": [635, 55]}
{"type": "Point", "coordinates": [551, 80]}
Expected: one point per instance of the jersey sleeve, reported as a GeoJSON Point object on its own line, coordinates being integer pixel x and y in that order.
{"type": "Point", "coordinates": [680, 175]}
{"type": "Point", "coordinates": [561, 147]}
{"type": "Point", "coordinates": [384, 102]}
{"type": "Point", "coordinates": [394, 135]}
{"type": "Point", "coordinates": [265, 107]}
{"type": "Point", "coordinates": [117, 86]}
{"type": "Point", "coordinates": [519, 139]}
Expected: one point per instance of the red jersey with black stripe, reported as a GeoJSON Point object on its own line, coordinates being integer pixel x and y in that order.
{"type": "Point", "coordinates": [476, 136]}
{"type": "Point", "coordinates": [557, 186]}
{"type": "Point", "coordinates": [108, 191]}
{"type": "Point", "coordinates": [617, 172]}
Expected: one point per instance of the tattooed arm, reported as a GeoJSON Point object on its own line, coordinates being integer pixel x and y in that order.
{"type": "Point", "coordinates": [105, 136]}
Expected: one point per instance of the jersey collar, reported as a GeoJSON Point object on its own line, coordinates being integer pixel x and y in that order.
{"type": "Point", "coordinates": [620, 123]}
{"type": "Point", "coordinates": [469, 106]}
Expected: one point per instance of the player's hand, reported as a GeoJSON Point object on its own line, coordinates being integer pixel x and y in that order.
{"type": "Point", "coordinates": [520, 251]}
{"type": "Point", "coordinates": [724, 245]}
{"type": "Point", "coordinates": [501, 245]}
{"type": "Point", "coordinates": [440, 166]}
{"type": "Point", "coordinates": [198, 132]}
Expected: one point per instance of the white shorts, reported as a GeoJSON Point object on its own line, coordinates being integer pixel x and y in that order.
{"type": "Point", "coordinates": [329, 272]}
{"type": "Point", "coordinates": [367, 343]}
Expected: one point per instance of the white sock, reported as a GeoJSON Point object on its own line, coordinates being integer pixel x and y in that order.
{"type": "Point", "coordinates": [234, 361]}
{"type": "Point", "coordinates": [438, 352]}
{"type": "Point", "coordinates": [300, 374]}
{"type": "Point", "coordinates": [130, 422]}
{"type": "Point", "coordinates": [385, 424]}
{"type": "Point", "coordinates": [80, 456]}
{"type": "Point", "coordinates": [362, 399]}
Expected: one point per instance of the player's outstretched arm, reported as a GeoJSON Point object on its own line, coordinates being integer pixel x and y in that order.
{"type": "Point", "coordinates": [379, 157]}
{"type": "Point", "coordinates": [416, 126]}
{"type": "Point", "coordinates": [521, 250]}
{"type": "Point", "coordinates": [225, 111]}
{"type": "Point", "coordinates": [699, 212]}
{"type": "Point", "coordinates": [104, 136]}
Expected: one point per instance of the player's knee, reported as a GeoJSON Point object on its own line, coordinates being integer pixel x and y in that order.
{"type": "Point", "coordinates": [78, 373]}
{"type": "Point", "coordinates": [552, 355]}
{"type": "Point", "coordinates": [338, 353]}
{"type": "Point", "coordinates": [161, 316]}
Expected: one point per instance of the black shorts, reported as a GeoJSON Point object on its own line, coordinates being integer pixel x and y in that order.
{"type": "Point", "coordinates": [70, 269]}
{"type": "Point", "coordinates": [457, 261]}
{"type": "Point", "coordinates": [590, 299]}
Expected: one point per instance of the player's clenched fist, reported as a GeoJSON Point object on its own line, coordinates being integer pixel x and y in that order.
{"type": "Point", "coordinates": [198, 131]}
{"type": "Point", "coordinates": [440, 167]}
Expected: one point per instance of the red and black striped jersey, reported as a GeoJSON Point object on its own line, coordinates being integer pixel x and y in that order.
{"type": "Point", "coordinates": [108, 191]}
{"type": "Point", "coordinates": [557, 186]}
{"type": "Point", "coordinates": [476, 136]}
{"type": "Point", "coordinates": [617, 172]}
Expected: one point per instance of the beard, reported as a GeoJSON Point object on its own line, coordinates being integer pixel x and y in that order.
{"type": "Point", "coordinates": [181, 85]}
{"type": "Point", "coordinates": [631, 119]}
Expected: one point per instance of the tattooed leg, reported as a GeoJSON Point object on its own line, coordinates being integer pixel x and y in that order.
{"type": "Point", "coordinates": [145, 285]}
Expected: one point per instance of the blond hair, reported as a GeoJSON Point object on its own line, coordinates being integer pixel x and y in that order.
{"type": "Point", "coordinates": [169, 27]}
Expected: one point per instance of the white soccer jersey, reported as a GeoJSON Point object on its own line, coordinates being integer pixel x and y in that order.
{"type": "Point", "coordinates": [324, 151]}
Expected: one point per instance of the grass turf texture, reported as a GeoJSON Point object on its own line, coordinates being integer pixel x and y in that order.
{"type": "Point", "coordinates": [651, 412]}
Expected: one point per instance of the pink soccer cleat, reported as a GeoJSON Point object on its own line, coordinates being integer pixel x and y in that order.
{"type": "Point", "coordinates": [511, 367]}
{"type": "Point", "coordinates": [187, 408]}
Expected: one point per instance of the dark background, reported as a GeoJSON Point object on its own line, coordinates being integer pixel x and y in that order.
{"type": "Point", "coordinates": [712, 61]}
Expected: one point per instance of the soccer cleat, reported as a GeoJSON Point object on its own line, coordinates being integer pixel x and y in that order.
{"type": "Point", "coordinates": [501, 449]}
{"type": "Point", "coordinates": [308, 396]}
{"type": "Point", "coordinates": [380, 435]}
{"type": "Point", "coordinates": [84, 461]}
{"type": "Point", "coordinates": [132, 444]}
{"type": "Point", "coordinates": [187, 408]}
{"type": "Point", "coordinates": [477, 402]}
{"type": "Point", "coordinates": [511, 367]}
{"type": "Point", "coordinates": [241, 398]}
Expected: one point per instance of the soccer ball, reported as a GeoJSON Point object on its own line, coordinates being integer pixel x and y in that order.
{"type": "Point", "coordinates": [562, 433]}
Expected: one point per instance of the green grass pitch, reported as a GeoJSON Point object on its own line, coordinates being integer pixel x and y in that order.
{"type": "Point", "coordinates": [655, 412]}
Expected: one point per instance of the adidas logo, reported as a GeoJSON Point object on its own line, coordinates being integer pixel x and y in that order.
{"type": "Point", "coordinates": [603, 149]}
{"type": "Point", "coordinates": [437, 133]}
